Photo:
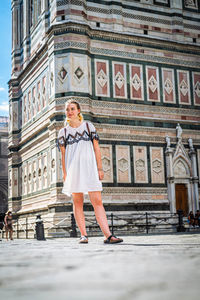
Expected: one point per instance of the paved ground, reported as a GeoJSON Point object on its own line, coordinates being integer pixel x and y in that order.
{"type": "Point", "coordinates": [142, 268]}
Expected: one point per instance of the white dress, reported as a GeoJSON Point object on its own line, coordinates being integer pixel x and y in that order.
{"type": "Point", "coordinates": [80, 160]}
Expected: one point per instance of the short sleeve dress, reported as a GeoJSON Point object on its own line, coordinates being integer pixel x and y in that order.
{"type": "Point", "coordinates": [80, 160]}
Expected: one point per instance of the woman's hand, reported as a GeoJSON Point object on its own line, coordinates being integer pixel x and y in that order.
{"type": "Point", "coordinates": [64, 176]}
{"type": "Point", "coordinates": [101, 174]}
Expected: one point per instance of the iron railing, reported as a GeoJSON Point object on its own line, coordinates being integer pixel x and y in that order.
{"type": "Point", "coordinates": [120, 224]}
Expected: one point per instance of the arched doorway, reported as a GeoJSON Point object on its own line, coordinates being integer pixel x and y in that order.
{"type": "Point", "coordinates": [182, 198]}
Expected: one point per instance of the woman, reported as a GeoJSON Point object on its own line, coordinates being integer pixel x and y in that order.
{"type": "Point", "coordinates": [82, 169]}
{"type": "Point", "coordinates": [8, 225]}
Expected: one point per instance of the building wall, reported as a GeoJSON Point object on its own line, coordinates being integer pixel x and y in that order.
{"type": "Point", "coordinates": [134, 66]}
{"type": "Point", "coordinates": [3, 164]}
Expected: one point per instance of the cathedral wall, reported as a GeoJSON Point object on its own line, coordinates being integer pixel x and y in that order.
{"type": "Point", "coordinates": [133, 88]}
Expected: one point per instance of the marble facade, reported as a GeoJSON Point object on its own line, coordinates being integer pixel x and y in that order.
{"type": "Point", "coordinates": [135, 69]}
{"type": "Point", "coordinates": [3, 164]}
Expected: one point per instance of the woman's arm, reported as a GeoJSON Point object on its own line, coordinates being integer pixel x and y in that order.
{"type": "Point", "coordinates": [98, 158]}
{"type": "Point", "coordinates": [5, 220]}
{"type": "Point", "coordinates": [62, 148]}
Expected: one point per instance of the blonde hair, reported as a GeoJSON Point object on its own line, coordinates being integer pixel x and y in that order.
{"type": "Point", "coordinates": [8, 212]}
{"type": "Point", "coordinates": [80, 116]}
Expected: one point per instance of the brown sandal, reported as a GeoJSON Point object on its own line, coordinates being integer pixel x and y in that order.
{"type": "Point", "coordinates": [111, 241]}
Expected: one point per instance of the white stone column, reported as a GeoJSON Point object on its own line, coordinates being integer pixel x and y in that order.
{"type": "Point", "coordinates": [192, 154]}
{"type": "Point", "coordinates": [170, 180]}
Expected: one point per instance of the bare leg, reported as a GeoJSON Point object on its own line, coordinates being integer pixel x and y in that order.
{"type": "Point", "coordinates": [78, 212]}
{"type": "Point", "coordinates": [95, 198]}
{"type": "Point", "coordinates": [7, 235]}
{"type": "Point", "coordinates": [11, 235]}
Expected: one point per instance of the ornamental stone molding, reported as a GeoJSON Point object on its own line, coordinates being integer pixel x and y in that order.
{"type": "Point", "coordinates": [123, 164]}
{"type": "Point", "coordinates": [140, 165]}
{"type": "Point", "coordinates": [157, 166]}
{"type": "Point", "coordinates": [191, 3]}
{"type": "Point", "coordinates": [180, 169]}
{"type": "Point", "coordinates": [106, 163]}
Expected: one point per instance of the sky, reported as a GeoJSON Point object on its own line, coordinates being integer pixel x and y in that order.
{"type": "Point", "coordinates": [5, 54]}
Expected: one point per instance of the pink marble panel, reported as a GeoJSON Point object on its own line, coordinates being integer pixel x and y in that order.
{"type": "Point", "coordinates": [136, 82]}
{"type": "Point", "coordinates": [196, 88]}
{"type": "Point", "coordinates": [102, 78]}
{"type": "Point", "coordinates": [183, 87]}
{"type": "Point", "coordinates": [119, 80]}
{"type": "Point", "coordinates": [153, 90]}
{"type": "Point", "coordinates": [168, 85]}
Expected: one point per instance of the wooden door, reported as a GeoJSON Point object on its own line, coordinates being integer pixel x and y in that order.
{"type": "Point", "coordinates": [181, 198]}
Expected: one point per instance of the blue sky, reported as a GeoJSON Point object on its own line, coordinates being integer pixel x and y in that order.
{"type": "Point", "coordinates": [5, 54]}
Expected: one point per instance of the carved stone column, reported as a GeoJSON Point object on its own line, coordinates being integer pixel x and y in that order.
{"type": "Point", "coordinates": [192, 154]}
{"type": "Point", "coordinates": [170, 179]}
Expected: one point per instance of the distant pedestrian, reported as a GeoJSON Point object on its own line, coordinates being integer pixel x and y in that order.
{"type": "Point", "coordinates": [82, 169]}
{"type": "Point", "coordinates": [191, 218]}
{"type": "Point", "coordinates": [8, 225]}
{"type": "Point", "coordinates": [197, 219]}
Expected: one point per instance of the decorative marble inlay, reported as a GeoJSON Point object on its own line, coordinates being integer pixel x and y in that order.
{"type": "Point", "coordinates": [39, 173]}
{"type": "Point", "coordinates": [79, 74]}
{"type": "Point", "coordinates": [183, 87]}
{"type": "Point", "coordinates": [191, 3]}
{"type": "Point", "coordinates": [29, 176]}
{"type": "Point", "coordinates": [105, 163]}
{"type": "Point", "coordinates": [53, 163]}
{"type": "Point", "coordinates": [123, 164]}
{"type": "Point", "coordinates": [168, 86]}
{"type": "Point", "coordinates": [197, 89]}
{"type": "Point", "coordinates": [152, 84]}
{"type": "Point", "coordinates": [180, 169]}
{"type": "Point", "coordinates": [157, 166]}
{"type": "Point", "coordinates": [34, 175]}
{"type": "Point", "coordinates": [119, 80]}
{"type": "Point", "coordinates": [140, 165]}
{"type": "Point", "coordinates": [62, 74]}
{"type": "Point", "coordinates": [45, 171]}
{"type": "Point", "coordinates": [136, 82]}
{"type": "Point", "coordinates": [102, 78]}
{"type": "Point", "coordinates": [51, 77]}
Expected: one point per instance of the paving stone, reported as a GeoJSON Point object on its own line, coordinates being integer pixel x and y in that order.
{"type": "Point", "coordinates": [143, 267]}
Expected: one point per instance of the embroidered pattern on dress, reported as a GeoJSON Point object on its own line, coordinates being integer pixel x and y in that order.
{"type": "Point", "coordinates": [71, 139]}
